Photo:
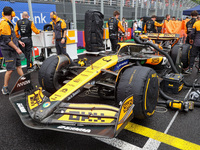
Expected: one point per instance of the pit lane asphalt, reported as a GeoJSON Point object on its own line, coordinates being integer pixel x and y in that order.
{"type": "Point", "coordinates": [16, 136]}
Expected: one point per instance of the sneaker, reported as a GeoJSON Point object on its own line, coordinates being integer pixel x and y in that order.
{"type": "Point", "coordinates": [5, 90]}
{"type": "Point", "coordinates": [188, 71]}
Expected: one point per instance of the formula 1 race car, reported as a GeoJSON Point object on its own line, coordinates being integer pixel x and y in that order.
{"type": "Point", "coordinates": [123, 77]}
{"type": "Point", "coordinates": [134, 88]}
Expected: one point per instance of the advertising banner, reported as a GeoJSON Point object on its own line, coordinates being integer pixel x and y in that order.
{"type": "Point", "coordinates": [41, 12]}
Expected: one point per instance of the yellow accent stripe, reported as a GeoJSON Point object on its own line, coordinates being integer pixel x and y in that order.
{"type": "Point", "coordinates": [145, 101]}
{"type": "Point", "coordinates": [9, 60]}
{"type": "Point", "coordinates": [162, 137]}
{"type": "Point", "coordinates": [58, 63]}
{"type": "Point", "coordinates": [87, 75]}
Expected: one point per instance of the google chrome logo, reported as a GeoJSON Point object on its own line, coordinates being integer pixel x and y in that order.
{"type": "Point", "coordinates": [46, 104]}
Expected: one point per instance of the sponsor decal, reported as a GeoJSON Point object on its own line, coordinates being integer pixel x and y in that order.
{"type": "Point", "coordinates": [121, 64]}
{"type": "Point", "coordinates": [107, 60]}
{"type": "Point", "coordinates": [74, 129]}
{"type": "Point", "coordinates": [155, 60]}
{"type": "Point", "coordinates": [35, 100]}
{"type": "Point", "coordinates": [21, 107]}
{"type": "Point", "coordinates": [127, 105]}
{"type": "Point", "coordinates": [64, 90]}
{"type": "Point", "coordinates": [57, 95]}
{"type": "Point", "coordinates": [88, 118]}
{"type": "Point", "coordinates": [84, 75]}
{"type": "Point", "coordinates": [89, 71]}
{"type": "Point", "coordinates": [40, 12]}
{"type": "Point", "coordinates": [46, 104]}
{"type": "Point", "coordinates": [73, 94]}
{"type": "Point", "coordinates": [131, 78]}
{"type": "Point", "coordinates": [23, 83]}
{"type": "Point", "coordinates": [71, 85]}
{"type": "Point", "coordinates": [77, 80]}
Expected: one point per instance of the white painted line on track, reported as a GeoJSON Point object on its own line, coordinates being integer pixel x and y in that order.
{"type": "Point", "coordinates": [152, 144]}
{"type": "Point", "coordinates": [117, 143]}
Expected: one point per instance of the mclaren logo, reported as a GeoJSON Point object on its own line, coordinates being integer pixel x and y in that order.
{"type": "Point", "coordinates": [23, 83]}
{"type": "Point", "coordinates": [74, 129]}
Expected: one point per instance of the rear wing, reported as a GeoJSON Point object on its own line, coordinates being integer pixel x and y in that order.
{"type": "Point", "coordinates": [162, 36]}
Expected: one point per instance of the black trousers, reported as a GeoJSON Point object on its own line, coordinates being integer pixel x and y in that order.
{"type": "Point", "coordinates": [193, 53]}
{"type": "Point", "coordinates": [114, 44]}
{"type": "Point", "coordinates": [187, 40]}
{"type": "Point", "coordinates": [27, 50]}
{"type": "Point", "coordinates": [61, 49]}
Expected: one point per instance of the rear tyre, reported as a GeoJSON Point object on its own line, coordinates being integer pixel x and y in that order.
{"type": "Point", "coordinates": [142, 83]}
{"type": "Point", "coordinates": [185, 54]}
{"type": "Point", "coordinates": [49, 75]}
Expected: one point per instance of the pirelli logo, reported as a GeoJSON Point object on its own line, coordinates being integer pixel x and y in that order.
{"type": "Point", "coordinates": [127, 105]}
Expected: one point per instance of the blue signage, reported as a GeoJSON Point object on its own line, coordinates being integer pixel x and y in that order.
{"type": "Point", "coordinates": [41, 12]}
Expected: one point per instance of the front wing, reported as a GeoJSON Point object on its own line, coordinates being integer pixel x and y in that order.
{"type": "Point", "coordinates": [87, 119]}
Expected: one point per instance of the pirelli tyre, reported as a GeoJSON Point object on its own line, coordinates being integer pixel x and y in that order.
{"type": "Point", "coordinates": [50, 74]}
{"type": "Point", "coordinates": [185, 54]}
{"type": "Point", "coordinates": [143, 84]}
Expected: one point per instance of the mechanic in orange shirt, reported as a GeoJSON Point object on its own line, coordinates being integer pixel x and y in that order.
{"type": "Point", "coordinates": [25, 27]}
{"type": "Point", "coordinates": [59, 33]}
{"type": "Point", "coordinates": [151, 25]}
{"type": "Point", "coordinates": [195, 36]}
{"type": "Point", "coordinates": [9, 47]}
{"type": "Point", "coordinates": [113, 24]}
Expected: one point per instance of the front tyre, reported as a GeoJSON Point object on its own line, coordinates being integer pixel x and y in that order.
{"type": "Point", "coordinates": [143, 84]}
{"type": "Point", "coordinates": [49, 75]}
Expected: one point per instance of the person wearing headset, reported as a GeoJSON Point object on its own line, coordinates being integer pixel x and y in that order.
{"type": "Point", "coordinates": [9, 46]}
{"type": "Point", "coordinates": [59, 33]}
{"type": "Point", "coordinates": [25, 28]}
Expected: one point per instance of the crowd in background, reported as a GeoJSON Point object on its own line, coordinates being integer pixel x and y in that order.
{"type": "Point", "coordinates": [138, 24]}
